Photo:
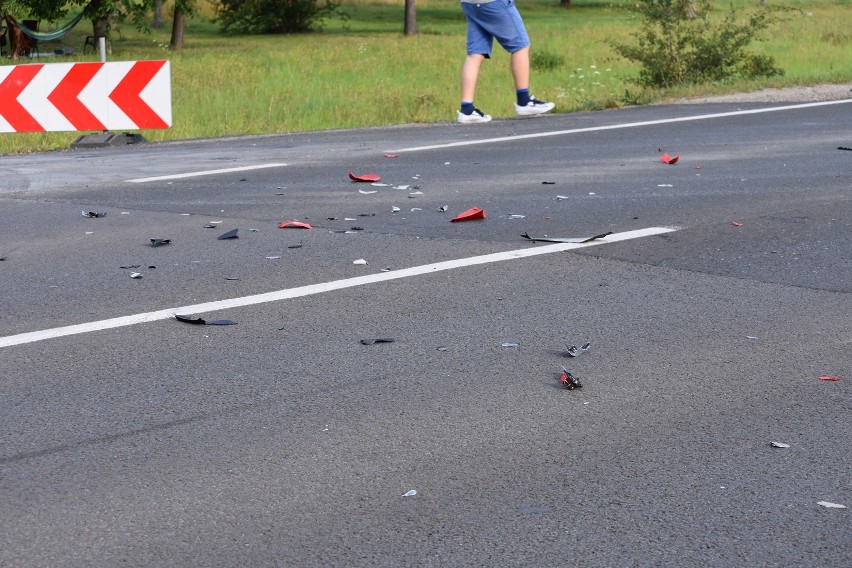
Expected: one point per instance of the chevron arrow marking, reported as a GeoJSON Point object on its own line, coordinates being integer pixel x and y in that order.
{"type": "Point", "coordinates": [127, 95]}
{"type": "Point", "coordinates": [10, 89]}
{"type": "Point", "coordinates": [66, 97]}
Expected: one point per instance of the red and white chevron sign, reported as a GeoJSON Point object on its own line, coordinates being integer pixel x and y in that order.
{"type": "Point", "coordinates": [58, 97]}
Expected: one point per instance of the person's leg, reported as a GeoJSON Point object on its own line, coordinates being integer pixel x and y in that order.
{"type": "Point", "coordinates": [520, 62]}
{"type": "Point", "coordinates": [469, 75]}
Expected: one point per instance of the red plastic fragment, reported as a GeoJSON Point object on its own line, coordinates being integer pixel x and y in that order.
{"type": "Point", "coordinates": [736, 224]}
{"type": "Point", "coordinates": [469, 215]}
{"type": "Point", "coordinates": [293, 225]}
{"type": "Point", "coordinates": [826, 378]}
{"type": "Point", "coordinates": [666, 159]}
{"type": "Point", "coordinates": [390, 155]}
{"type": "Point", "coordinates": [364, 177]}
{"type": "Point", "coordinates": [569, 380]}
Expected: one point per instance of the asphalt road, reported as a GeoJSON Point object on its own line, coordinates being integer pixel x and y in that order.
{"type": "Point", "coordinates": [128, 438]}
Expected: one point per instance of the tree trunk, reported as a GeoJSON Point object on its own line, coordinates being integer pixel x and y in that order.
{"type": "Point", "coordinates": [101, 26]}
{"type": "Point", "coordinates": [410, 18]}
{"type": "Point", "coordinates": [177, 28]}
{"type": "Point", "coordinates": [564, 3]}
{"type": "Point", "coordinates": [158, 21]}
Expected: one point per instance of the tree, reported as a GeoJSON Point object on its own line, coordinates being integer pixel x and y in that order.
{"type": "Point", "coordinates": [410, 27]}
{"type": "Point", "coordinates": [183, 9]}
{"type": "Point", "coordinates": [274, 16]}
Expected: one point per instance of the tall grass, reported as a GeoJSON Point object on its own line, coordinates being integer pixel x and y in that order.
{"type": "Point", "coordinates": [362, 72]}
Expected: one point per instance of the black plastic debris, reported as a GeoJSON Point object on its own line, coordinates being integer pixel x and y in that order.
{"type": "Point", "coordinates": [94, 214]}
{"type": "Point", "coordinates": [209, 226]}
{"type": "Point", "coordinates": [160, 242]}
{"type": "Point", "coordinates": [295, 246]}
{"type": "Point", "coordinates": [564, 240]}
{"type": "Point", "coordinates": [366, 214]}
{"type": "Point", "coordinates": [574, 351]}
{"type": "Point", "coordinates": [844, 148]}
{"type": "Point", "coordinates": [130, 266]}
{"type": "Point", "coordinates": [2, 258]}
{"type": "Point", "coordinates": [357, 229]}
{"type": "Point", "coordinates": [201, 321]}
{"type": "Point", "coordinates": [231, 278]}
{"type": "Point", "coordinates": [548, 183]}
{"type": "Point", "coordinates": [371, 340]}
{"type": "Point", "coordinates": [569, 380]}
{"type": "Point", "coordinates": [232, 234]}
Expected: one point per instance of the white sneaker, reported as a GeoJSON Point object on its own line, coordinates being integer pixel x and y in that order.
{"type": "Point", "coordinates": [476, 117]}
{"type": "Point", "coordinates": [534, 107]}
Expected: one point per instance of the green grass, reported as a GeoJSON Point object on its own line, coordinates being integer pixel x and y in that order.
{"type": "Point", "coordinates": [362, 72]}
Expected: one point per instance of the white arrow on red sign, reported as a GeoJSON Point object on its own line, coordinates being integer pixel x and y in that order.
{"type": "Point", "coordinates": [60, 97]}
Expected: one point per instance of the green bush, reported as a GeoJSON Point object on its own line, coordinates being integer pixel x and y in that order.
{"type": "Point", "coordinates": [274, 16]}
{"type": "Point", "coordinates": [679, 44]}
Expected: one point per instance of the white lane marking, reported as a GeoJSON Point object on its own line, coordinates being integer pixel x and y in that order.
{"type": "Point", "coordinates": [618, 126]}
{"type": "Point", "coordinates": [322, 287]}
{"type": "Point", "coordinates": [206, 173]}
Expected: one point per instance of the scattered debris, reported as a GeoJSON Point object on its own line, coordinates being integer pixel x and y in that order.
{"type": "Point", "coordinates": [666, 159]}
{"type": "Point", "coordinates": [510, 344]}
{"type": "Point", "coordinates": [830, 505]}
{"type": "Point", "coordinates": [410, 493]}
{"type": "Point", "coordinates": [561, 197]}
{"type": "Point", "coordinates": [565, 240]}
{"type": "Point", "coordinates": [574, 351]}
{"type": "Point", "coordinates": [844, 148]}
{"type": "Point", "coordinates": [160, 242]}
{"type": "Point", "coordinates": [130, 266]}
{"type": "Point", "coordinates": [364, 177]}
{"type": "Point", "coordinates": [293, 225]}
{"type": "Point", "coordinates": [201, 321]}
{"type": "Point", "coordinates": [371, 340]}
{"type": "Point", "coordinates": [94, 215]}
{"type": "Point", "coordinates": [232, 234]}
{"type": "Point", "coordinates": [751, 337]}
{"type": "Point", "coordinates": [391, 155]}
{"type": "Point", "coordinates": [209, 226]}
{"type": "Point", "coordinates": [395, 209]}
{"type": "Point", "coordinates": [2, 258]}
{"type": "Point", "coordinates": [517, 216]}
{"type": "Point", "coordinates": [403, 186]}
{"type": "Point", "coordinates": [298, 246]}
{"type": "Point", "coordinates": [136, 275]}
{"type": "Point", "coordinates": [737, 224]}
{"type": "Point", "coordinates": [827, 378]}
{"type": "Point", "coordinates": [359, 261]}
{"type": "Point", "coordinates": [443, 208]}
{"type": "Point", "coordinates": [569, 380]}
{"type": "Point", "coordinates": [231, 278]}
{"type": "Point", "coordinates": [548, 183]}
{"type": "Point", "coordinates": [779, 445]}
{"type": "Point", "coordinates": [272, 257]}
{"type": "Point", "coordinates": [364, 192]}
{"type": "Point", "coordinates": [442, 348]}
{"type": "Point", "coordinates": [469, 215]}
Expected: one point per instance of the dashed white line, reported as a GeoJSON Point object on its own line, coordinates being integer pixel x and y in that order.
{"type": "Point", "coordinates": [618, 126]}
{"type": "Point", "coordinates": [34, 336]}
{"type": "Point", "coordinates": [205, 173]}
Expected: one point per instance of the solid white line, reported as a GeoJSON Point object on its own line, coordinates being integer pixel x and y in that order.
{"type": "Point", "coordinates": [618, 126]}
{"type": "Point", "coordinates": [320, 288]}
{"type": "Point", "coordinates": [205, 173]}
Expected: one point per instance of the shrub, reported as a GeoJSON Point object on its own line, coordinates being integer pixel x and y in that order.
{"type": "Point", "coordinates": [546, 61]}
{"type": "Point", "coordinates": [274, 16]}
{"type": "Point", "coordinates": [678, 44]}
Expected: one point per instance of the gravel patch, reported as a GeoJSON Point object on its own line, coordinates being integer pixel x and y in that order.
{"type": "Point", "coordinates": [786, 95]}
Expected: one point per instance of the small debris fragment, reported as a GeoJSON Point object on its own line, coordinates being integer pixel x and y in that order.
{"type": "Point", "coordinates": [517, 216]}
{"type": "Point", "coordinates": [359, 261]}
{"type": "Point", "coordinates": [831, 505]}
{"type": "Point", "coordinates": [209, 226]}
{"type": "Point", "coordinates": [130, 266]}
{"type": "Point", "coordinates": [391, 155]}
{"type": "Point", "coordinates": [779, 445]}
{"type": "Point", "coordinates": [160, 242]}
{"type": "Point", "coordinates": [510, 344]}
{"type": "Point", "coordinates": [94, 215]}
{"type": "Point", "coordinates": [232, 234]}
{"type": "Point", "coordinates": [565, 240]}
{"type": "Point", "coordinates": [364, 177]}
{"type": "Point", "coordinates": [403, 186]}
{"type": "Point", "coordinates": [548, 183]}
{"type": "Point", "coordinates": [844, 148]}
{"type": "Point", "coordinates": [666, 159]}
{"type": "Point", "coordinates": [410, 493]}
{"type": "Point", "coordinates": [201, 321]}
{"type": "Point", "coordinates": [272, 257]}
{"type": "Point", "coordinates": [293, 225]}
{"type": "Point", "coordinates": [561, 197]}
{"type": "Point", "coordinates": [136, 275]}
{"type": "Point", "coordinates": [441, 348]}
{"type": "Point", "coordinates": [443, 208]}
{"type": "Point", "coordinates": [471, 214]}
{"type": "Point", "coordinates": [371, 340]}
{"type": "Point", "coordinates": [569, 380]}
{"type": "Point", "coordinates": [574, 351]}
{"type": "Point", "coordinates": [295, 246]}
{"type": "Point", "coordinates": [737, 224]}
{"type": "Point", "coordinates": [827, 378]}
{"type": "Point", "coordinates": [364, 192]}
{"type": "Point", "coordinates": [395, 209]}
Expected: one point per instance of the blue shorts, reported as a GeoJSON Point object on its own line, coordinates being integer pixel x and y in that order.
{"type": "Point", "coordinates": [498, 20]}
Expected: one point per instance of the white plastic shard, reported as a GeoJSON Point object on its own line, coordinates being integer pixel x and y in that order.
{"type": "Point", "coordinates": [830, 505]}
{"type": "Point", "coordinates": [410, 493]}
{"type": "Point", "coordinates": [779, 445]}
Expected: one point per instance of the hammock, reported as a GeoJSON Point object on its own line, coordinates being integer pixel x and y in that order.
{"type": "Point", "coordinates": [48, 36]}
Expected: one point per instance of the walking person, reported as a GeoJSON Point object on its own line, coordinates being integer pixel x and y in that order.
{"type": "Point", "coordinates": [488, 20]}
